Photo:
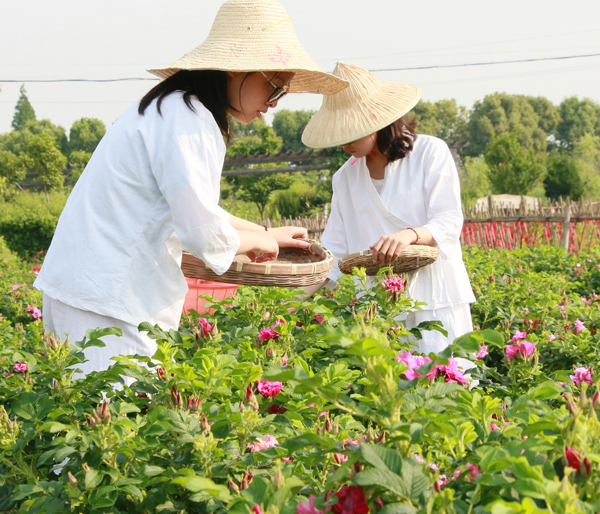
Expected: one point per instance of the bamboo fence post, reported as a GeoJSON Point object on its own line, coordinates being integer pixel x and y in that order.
{"type": "Point", "coordinates": [566, 225]}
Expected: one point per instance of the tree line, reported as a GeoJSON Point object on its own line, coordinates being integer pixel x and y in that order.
{"type": "Point", "coordinates": [517, 144]}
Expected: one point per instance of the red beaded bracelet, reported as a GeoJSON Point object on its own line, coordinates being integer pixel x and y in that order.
{"type": "Point", "coordinates": [410, 228]}
{"type": "Point", "coordinates": [266, 228]}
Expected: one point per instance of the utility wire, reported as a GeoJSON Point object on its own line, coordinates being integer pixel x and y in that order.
{"type": "Point", "coordinates": [488, 63]}
{"type": "Point", "coordinates": [491, 63]}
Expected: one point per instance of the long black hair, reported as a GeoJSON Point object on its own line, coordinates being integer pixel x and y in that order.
{"type": "Point", "coordinates": [208, 86]}
{"type": "Point", "coordinates": [397, 139]}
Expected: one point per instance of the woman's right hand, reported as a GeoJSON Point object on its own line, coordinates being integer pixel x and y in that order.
{"type": "Point", "coordinates": [259, 246]}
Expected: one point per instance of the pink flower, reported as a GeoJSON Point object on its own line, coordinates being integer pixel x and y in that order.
{"type": "Point", "coordinates": [575, 461]}
{"type": "Point", "coordinates": [34, 311]}
{"type": "Point", "coordinates": [451, 372]}
{"type": "Point", "coordinates": [352, 500]}
{"type": "Point", "coordinates": [262, 444]}
{"type": "Point", "coordinates": [483, 351]}
{"type": "Point", "coordinates": [319, 318]}
{"type": "Point", "coordinates": [256, 510]}
{"type": "Point", "coordinates": [520, 350]}
{"type": "Point", "coordinates": [585, 300]}
{"type": "Point", "coordinates": [495, 427]}
{"type": "Point", "coordinates": [268, 333]}
{"type": "Point", "coordinates": [413, 362]}
{"type": "Point", "coordinates": [309, 508]}
{"type": "Point", "coordinates": [279, 322]}
{"type": "Point", "coordinates": [204, 327]}
{"type": "Point", "coordinates": [21, 367]}
{"type": "Point", "coordinates": [324, 413]}
{"type": "Point", "coordinates": [474, 470]}
{"type": "Point", "coordinates": [562, 383]}
{"type": "Point", "coordinates": [394, 287]}
{"type": "Point", "coordinates": [36, 271]}
{"type": "Point", "coordinates": [15, 287]}
{"type": "Point", "coordinates": [551, 338]}
{"type": "Point", "coordinates": [267, 388]}
{"type": "Point", "coordinates": [519, 335]}
{"type": "Point", "coordinates": [581, 375]}
{"type": "Point", "coordinates": [579, 326]}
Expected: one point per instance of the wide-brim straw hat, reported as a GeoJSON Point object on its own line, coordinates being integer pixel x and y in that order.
{"type": "Point", "coordinates": [256, 35]}
{"type": "Point", "coordinates": [366, 106]}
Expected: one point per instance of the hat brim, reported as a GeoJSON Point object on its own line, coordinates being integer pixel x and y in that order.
{"type": "Point", "coordinates": [357, 119]}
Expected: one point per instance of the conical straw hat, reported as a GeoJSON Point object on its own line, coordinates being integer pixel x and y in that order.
{"type": "Point", "coordinates": [366, 106]}
{"type": "Point", "coordinates": [256, 35]}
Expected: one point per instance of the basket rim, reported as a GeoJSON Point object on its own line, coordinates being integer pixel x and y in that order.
{"type": "Point", "coordinates": [368, 253]}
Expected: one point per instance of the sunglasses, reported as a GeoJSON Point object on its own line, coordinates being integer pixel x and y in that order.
{"type": "Point", "coordinates": [279, 92]}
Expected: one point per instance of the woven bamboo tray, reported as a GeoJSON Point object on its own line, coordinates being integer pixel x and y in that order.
{"type": "Point", "coordinates": [411, 258]}
{"type": "Point", "coordinates": [294, 267]}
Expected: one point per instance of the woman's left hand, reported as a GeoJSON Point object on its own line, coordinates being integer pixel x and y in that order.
{"type": "Point", "coordinates": [290, 237]}
{"type": "Point", "coordinates": [388, 248]}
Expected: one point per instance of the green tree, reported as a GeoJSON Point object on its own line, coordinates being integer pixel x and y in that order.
{"type": "Point", "coordinates": [514, 169]}
{"type": "Point", "coordinates": [474, 180]}
{"type": "Point", "coordinates": [56, 132]}
{"type": "Point", "coordinates": [587, 152]}
{"type": "Point", "coordinates": [577, 118]}
{"type": "Point", "coordinates": [256, 138]}
{"type": "Point", "coordinates": [77, 162]}
{"type": "Point", "coordinates": [500, 114]}
{"type": "Point", "coordinates": [11, 167]}
{"type": "Point", "coordinates": [47, 161]}
{"type": "Point", "coordinates": [289, 125]}
{"type": "Point", "coordinates": [23, 111]}
{"type": "Point", "coordinates": [563, 178]}
{"type": "Point", "coordinates": [444, 119]}
{"type": "Point", "coordinates": [85, 134]}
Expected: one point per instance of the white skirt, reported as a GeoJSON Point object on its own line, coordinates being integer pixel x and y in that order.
{"type": "Point", "coordinates": [456, 320]}
{"type": "Point", "coordinates": [63, 320]}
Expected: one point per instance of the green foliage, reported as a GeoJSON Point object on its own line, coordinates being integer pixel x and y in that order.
{"type": "Point", "coordinates": [500, 114]}
{"type": "Point", "coordinates": [56, 132]}
{"type": "Point", "coordinates": [289, 125]}
{"type": "Point", "coordinates": [474, 180]}
{"type": "Point", "coordinates": [85, 135]}
{"type": "Point", "coordinates": [563, 178]}
{"type": "Point", "coordinates": [11, 167]}
{"type": "Point", "coordinates": [29, 234]}
{"type": "Point", "coordinates": [577, 118]}
{"type": "Point", "coordinates": [514, 169]}
{"type": "Point", "coordinates": [45, 159]}
{"type": "Point", "coordinates": [444, 119]}
{"type": "Point", "coordinates": [302, 198]}
{"type": "Point", "coordinates": [23, 111]}
{"type": "Point", "coordinates": [77, 161]}
{"type": "Point", "coordinates": [587, 152]}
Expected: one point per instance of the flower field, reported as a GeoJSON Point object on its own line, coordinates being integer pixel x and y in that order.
{"type": "Point", "coordinates": [255, 410]}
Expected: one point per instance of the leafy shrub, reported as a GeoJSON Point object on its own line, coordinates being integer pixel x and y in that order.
{"type": "Point", "coordinates": [28, 234]}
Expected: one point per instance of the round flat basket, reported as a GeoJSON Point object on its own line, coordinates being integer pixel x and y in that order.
{"type": "Point", "coordinates": [294, 267]}
{"type": "Point", "coordinates": [411, 258]}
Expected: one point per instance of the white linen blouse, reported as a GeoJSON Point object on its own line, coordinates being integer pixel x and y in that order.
{"type": "Point", "coordinates": [420, 190]}
{"type": "Point", "coordinates": [150, 189]}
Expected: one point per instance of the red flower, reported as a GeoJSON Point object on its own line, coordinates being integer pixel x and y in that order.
{"type": "Point", "coordinates": [575, 461]}
{"type": "Point", "coordinates": [276, 409]}
{"type": "Point", "coordinates": [352, 500]}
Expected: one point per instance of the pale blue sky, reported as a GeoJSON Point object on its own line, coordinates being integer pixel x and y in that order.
{"type": "Point", "coordinates": [57, 39]}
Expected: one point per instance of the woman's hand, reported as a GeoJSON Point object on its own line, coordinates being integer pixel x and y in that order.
{"type": "Point", "coordinates": [290, 237]}
{"type": "Point", "coordinates": [388, 248]}
{"type": "Point", "coordinates": [259, 246]}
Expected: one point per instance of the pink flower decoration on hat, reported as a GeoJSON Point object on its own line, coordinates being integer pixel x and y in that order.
{"type": "Point", "coordinates": [280, 56]}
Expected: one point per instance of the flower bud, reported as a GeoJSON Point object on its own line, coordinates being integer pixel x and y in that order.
{"type": "Point", "coordinates": [205, 425]}
{"type": "Point", "coordinates": [242, 406]}
{"type": "Point", "coordinates": [327, 426]}
{"type": "Point", "coordinates": [72, 479]}
{"type": "Point", "coordinates": [104, 410]}
{"type": "Point", "coordinates": [233, 487]}
{"type": "Point", "coordinates": [86, 468]}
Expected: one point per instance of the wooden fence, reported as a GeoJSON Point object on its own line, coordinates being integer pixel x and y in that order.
{"type": "Point", "coordinates": [574, 226]}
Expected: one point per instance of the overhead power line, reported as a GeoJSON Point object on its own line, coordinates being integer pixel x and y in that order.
{"type": "Point", "coordinates": [490, 63]}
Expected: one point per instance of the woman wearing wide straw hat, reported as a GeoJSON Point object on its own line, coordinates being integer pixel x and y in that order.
{"type": "Point", "coordinates": [397, 189]}
{"type": "Point", "coordinates": [151, 188]}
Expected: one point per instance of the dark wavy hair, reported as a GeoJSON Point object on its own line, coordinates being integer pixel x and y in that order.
{"type": "Point", "coordinates": [208, 86]}
{"type": "Point", "coordinates": [397, 139]}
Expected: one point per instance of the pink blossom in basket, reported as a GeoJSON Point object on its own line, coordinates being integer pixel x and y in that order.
{"type": "Point", "coordinates": [268, 389]}
{"type": "Point", "coordinates": [413, 362]}
{"type": "Point", "coordinates": [520, 350]}
{"type": "Point", "coordinates": [263, 443]}
{"type": "Point", "coordinates": [581, 375]}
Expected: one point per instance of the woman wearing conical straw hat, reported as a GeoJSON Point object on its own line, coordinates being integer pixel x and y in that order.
{"type": "Point", "coordinates": [396, 189]}
{"type": "Point", "coordinates": [151, 187]}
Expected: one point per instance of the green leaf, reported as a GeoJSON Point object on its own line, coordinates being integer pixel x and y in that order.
{"type": "Point", "coordinates": [295, 443]}
{"type": "Point", "coordinates": [152, 471]}
{"type": "Point", "coordinates": [383, 477]}
{"type": "Point", "coordinates": [382, 457]}
{"type": "Point", "coordinates": [398, 508]}
{"type": "Point", "coordinates": [93, 479]}
{"type": "Point", "coordinates": [545, 391]}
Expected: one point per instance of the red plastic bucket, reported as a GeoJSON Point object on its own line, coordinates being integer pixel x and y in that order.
{"type": "Point", "coordinates": [196, 287]}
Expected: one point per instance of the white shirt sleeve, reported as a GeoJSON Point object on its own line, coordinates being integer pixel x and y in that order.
{"type": "Point", "coordinates": [442, 193]}
{"type": "Point", "coordinates": [334, 236]}
{"type": "Point", "coordinates": [187, 167]}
